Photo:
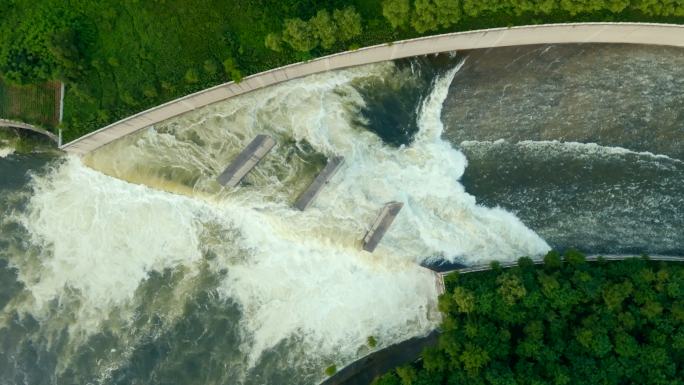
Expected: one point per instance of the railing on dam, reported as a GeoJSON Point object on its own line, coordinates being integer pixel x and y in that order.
{"type": "Point", "coordinates": [631, 33]}
{"type": "Point", "coordinates": [29, 127]}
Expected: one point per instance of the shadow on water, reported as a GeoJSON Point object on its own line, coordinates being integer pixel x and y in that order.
{"type": "Point", "coordinates": [366, 369]}
{"type": "Point", "coordinates": [392, 103]}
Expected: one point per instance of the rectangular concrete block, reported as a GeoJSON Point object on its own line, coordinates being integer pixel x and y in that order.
{"type": "Point", "coordinates": [246, 160]}
{"type": "Point", "coordinates": [317, 185]}
{"type": "Point", "coordinates": [381, 225]}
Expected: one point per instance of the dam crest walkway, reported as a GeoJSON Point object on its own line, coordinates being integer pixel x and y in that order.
{"type": "Point", "coordinates": [626, 33]}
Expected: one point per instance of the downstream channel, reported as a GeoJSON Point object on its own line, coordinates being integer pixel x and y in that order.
{"type": "Point", "coordinates": [134, 266]}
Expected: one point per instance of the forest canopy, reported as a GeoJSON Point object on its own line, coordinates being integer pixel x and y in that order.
{"type": "Point", "coordinates": [120, 57]}
{"type": "Point", "coordinates": [565, 322]}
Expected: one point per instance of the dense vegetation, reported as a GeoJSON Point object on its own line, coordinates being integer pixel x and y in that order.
{"type": "Point", "coordinates": [118, 57]}
{"type": "Point", "coordinates": [567, 321]}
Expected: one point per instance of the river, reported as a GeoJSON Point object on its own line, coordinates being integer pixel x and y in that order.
{"type": "Point", "coordinates": [133, 266]}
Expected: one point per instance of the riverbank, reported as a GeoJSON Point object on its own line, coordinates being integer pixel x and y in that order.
{"type": "Point", "coordinates": [366, 369]}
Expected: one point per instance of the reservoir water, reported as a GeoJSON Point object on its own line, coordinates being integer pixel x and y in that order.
{"type": "Point", "coordinates": [134, 266]}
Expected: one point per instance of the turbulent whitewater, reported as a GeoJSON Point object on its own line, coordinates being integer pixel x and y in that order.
{"type": "Point", "coordinates": [122, 262]}
{"type": "Point", "coordinates": [134, 266]}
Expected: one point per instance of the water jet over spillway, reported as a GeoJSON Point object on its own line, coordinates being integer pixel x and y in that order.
{"type": "Point", "coordinates": [273, 293]}
{"type": "Point", "coordinates": [134, 265]}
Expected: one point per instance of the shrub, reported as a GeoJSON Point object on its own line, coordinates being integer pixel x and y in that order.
{"type": "Point", "coordinates": [191, 76]}
{"type": "Point", "coordinates": [330, 370]}
{"type": "Point", "coordinates": [396, 12]}
{"type": "Point", "coordinates": [299, 35]}
{"type": "Point", "coordinates": [150, 91]}
{"type": "Point", "coordinates": [210, 67]}
{"type": "Point", "coordinates": [348, 23]}
{"type": "Point", "coordinates": [274, 42]}
{"type": "Point", "coordinates": [431, 15]}
{"type": "Point", "coordinates": [324, 29]}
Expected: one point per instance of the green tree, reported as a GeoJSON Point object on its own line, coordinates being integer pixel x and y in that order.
{"type": "Point", "coordinates": [348, 23]}
{"type": "Point", "coordinates": [431, 15]}
{"type": "Point", "coordinates": [407, 375]}
{"type": "Point", "coordinates": [44, 44]}
{"type": "Point", "coordinates": [581, 6]}
{"type": "Point", "coordinates": [533, 6]}
{"type": "Point", "coordinates": [210, 67]}
{"type": "Point", "coordinates": [150, 91]}
{"type": "Point", "coordinates": [231, 69]}
{"type": "Point", "coordinates": [660, 7]}
{"type": "Point", "coordinates": [396, 12]}
{"type": "Point", "coordinates": [476, 8]}
{"type": "Point", "coordinates": [387, 379]}
{"type": "Point", "coordinates": [191, 76]}
{"type": "Point", "coordinates": [324, 29]}
{"type": "Point", "coordinates": [63, 45]}
{"type": "Point", "coordinates": [511, 287]}
{"type": "Point", "coordinates": [464, 299]}
{"type": "Point", "coordinates": [574, 323]}
{"type": "Point", "coordinates": [614, 294]}
{"type": "Point", "coordinates": [299, 35]}
{"type": "Point", "coordinates": [473, 358]}
{"type": "Point", "coordinates": [274, 42]}
{"type": "Point", "coordinates": [330, 370]}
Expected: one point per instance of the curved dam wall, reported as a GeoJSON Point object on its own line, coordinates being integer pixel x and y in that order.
{"type": "Point", "coordinates": [630, 33]}
{"type": "Point", "coordinates": [29, 127]}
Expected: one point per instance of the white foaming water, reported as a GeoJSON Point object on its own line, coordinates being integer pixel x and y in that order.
{"type": "Point", "coordinates": [593, 150]}
{"type": "Point", "coordinates": [101, 236]}
{"type": "Point", "coordinates": [6, 151]}
{"type": "Point", "coordinates": [294, 274]}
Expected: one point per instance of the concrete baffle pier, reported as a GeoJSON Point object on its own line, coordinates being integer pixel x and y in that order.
{"type": "Point", "coordinates": [381, 225]}
{"type": "Point", "coordinates": [441, 287]}
{"type": "Point", "coordinates": [317, 185]}
{"type": "Point", "coordinates": [246, 160]}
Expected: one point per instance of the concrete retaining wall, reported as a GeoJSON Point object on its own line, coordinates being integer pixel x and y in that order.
{"type": "Point", "coordinates": [632, 33]}
{"type": "Point", "coordinates": [26, 126]}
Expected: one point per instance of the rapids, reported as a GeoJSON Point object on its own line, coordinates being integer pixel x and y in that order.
{"type": "Point", "coordinates": [134, 266]}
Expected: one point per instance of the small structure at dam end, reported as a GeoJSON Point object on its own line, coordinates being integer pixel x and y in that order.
{"type": "Point", "coordinates": [246, 160]}
{"type": "Point", "coordinates": [381, 225]}
{"type": "Point", "coordinates": [317, 185]}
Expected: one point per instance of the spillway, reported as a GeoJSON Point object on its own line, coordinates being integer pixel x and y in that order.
{"type": "Point", "coordinates": [108, 278]}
